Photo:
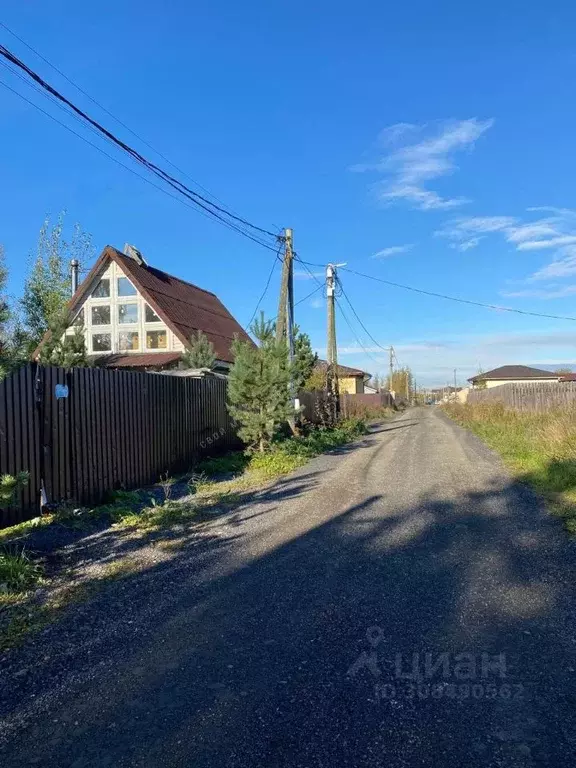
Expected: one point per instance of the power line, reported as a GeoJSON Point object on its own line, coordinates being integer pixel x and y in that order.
{"type": "Point", "coordinates": [265, 291]}
{"type": "Point", "coordinates": [110, 157]}
{"type": "Point", "coordinates": [107, 111]}
{"type": "Point", "coordinates": [218, 212]}
{"type": "Point", "coordinates": [348, 323]}
{"type": "Point", "coordinates": [305, 265]}
{"type": "Point", "coordinates": [309, 295]}
{"type": "Point", "coordinates": [454, 298]}
{"type": "Point", "coordinates": [366, 331]}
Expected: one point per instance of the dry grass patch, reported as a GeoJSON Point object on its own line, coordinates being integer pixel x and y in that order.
{"type": "Point", "coordinates": [540, 448]}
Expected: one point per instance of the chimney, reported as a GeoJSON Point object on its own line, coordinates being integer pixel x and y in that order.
{"type": "Point", "coordinates": [133, 253]}
{"type": "Point", "coordinates": [74, 270]}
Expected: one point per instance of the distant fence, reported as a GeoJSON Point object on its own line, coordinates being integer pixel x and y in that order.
{"type": "Point", "coordinates": [83, 432]}
{"type": "Point", "coordinates": [536, 397]}
{"type": "Point", "coordinates": [350, 405]}
{"type": "Point", "coordinates": [362, 405]}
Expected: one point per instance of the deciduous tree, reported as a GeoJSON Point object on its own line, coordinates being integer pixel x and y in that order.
{"type": "Point", "coordinates": [47, 288]}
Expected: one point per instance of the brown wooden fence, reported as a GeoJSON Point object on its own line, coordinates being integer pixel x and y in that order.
{"type": "Point", "coordinates": [350, 405]}
{"type": "Point", "coordinates": [364, 405]}
{"type": "Point", "coordinates": [83, 432]}
{"type": "Point", "coordinates": [537, 397]}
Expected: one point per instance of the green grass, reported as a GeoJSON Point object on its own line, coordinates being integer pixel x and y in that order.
{"type": "Point", "coordinates": [17, 572]}
{"type": "Point", "coordinates": [212, 488]}
{"type": "Point", "coordinates": [539, 448]}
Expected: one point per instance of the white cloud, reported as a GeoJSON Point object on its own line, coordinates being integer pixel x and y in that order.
{"type": "Point", "coordinates": [466, 233]}
{"type": "Point", "coordinates": [301, 274]}
{"type": "Point", "coordinates": [392, 250]}
{"type": "Point", "coordinates": [317, 303]}
{"type": "Point", "coordinates": [556, 232]}
{"type": "Point", "coordinates": [553, 242]}
{"type": "Point", "coordinates": [562, 266]}
{"type": "Point", "coordinates": [433, 360]}
{"type": "Point", "coordinates": [411, 164]}
{"type": "Point", "coordinates": [551, 292]}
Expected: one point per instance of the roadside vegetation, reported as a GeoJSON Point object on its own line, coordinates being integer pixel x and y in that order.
{"type": "Point", "coordinates": [539, 448]}
{"type": "Point", "coordinates": [30, 599]}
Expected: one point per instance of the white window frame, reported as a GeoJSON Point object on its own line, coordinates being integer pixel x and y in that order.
{"type": "Point", "coordinates": [156, 330]}
{"type": "Point", "coordinates": [102, 333]}
{"type": "Point", "coordinates": [120, 303]}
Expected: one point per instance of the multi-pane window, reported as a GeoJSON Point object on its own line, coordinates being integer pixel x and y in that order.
{"type": "Point", "coordinates": [102, 290]}
{"type": "Point", "coordinates": [128, 340]}
{"type": "Point", "coordinates": [78, 321]}
{"type": "Point", "coordinates": [150, 316]}
{"type": "Point", "coordinates": [127, 313]}
{"type": "Point", "coordinates": [101, 342]}
{"type": "Point", "coordinates": [101, 315]}
{"type": "Point", "coordinates": [125, 287]}
{"type": "Point", "coordinates": [156, 339]}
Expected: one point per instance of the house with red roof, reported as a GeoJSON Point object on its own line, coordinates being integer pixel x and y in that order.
{"type": "Point", "coordinates": [137, 316]}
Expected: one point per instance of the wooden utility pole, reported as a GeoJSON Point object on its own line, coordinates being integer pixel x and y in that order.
{"type": "Point", "coordinates": [390, 388]}
{"type": "Point", "coordinates": [286, 292]}
{"type": "Point", "coordinates": [332, 349]}
{"type": "Point", "coordinates": [285, 317]}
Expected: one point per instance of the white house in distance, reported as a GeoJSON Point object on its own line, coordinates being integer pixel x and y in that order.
{"type": "Point", "coordinates": [136, 316]}
{"type": "Point", "coordinates": [512, 374]}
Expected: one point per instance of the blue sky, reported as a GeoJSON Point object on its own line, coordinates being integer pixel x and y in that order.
{"type": "Point", "coordinates": [439, 136]}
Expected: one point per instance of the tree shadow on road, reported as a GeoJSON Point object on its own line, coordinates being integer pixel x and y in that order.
{"type": "Point", "coordinates": [234, 663]}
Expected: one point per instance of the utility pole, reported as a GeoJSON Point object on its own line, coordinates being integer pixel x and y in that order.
{"type": "Point", "coordinates": [286, 284]}
{"type": "Point", "coordinates": [332, 349]}
{"type": "Point", "coordinates": [390, 388]}
{"type": "Point", "coordinates": [285, 317]}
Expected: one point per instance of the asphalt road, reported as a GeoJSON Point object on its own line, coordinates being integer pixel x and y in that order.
{"type": "Point", "coordinates": [402, 603]}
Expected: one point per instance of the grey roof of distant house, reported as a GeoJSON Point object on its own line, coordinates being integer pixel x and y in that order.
{"type": "Point", "coordinates": [515, 372]}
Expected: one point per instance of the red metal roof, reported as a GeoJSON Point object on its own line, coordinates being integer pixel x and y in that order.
{"type": "Point", "coordinates": [149, 360]}
{"type": "Point", "coordinates": [184, 307]}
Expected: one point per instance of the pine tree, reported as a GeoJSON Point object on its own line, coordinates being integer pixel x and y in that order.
{"type": "Point", "coordinates": [258, 393]}
{"type": "Point", "coordinates": [304, 359]}
{"type": "Point", "coordinates": [62, 349]}
{"type": "Point", "coordinates": [201, 352]}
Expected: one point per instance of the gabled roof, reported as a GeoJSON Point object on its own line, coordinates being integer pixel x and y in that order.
{"type": "Point", "coordinates": [514, 372]}
{"type": "Point", "coordinates": [343, 370]}
{"type": "Point", "coordinates": [184, 307]}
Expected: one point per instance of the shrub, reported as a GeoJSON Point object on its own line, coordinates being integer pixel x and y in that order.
{"type": "Point", "coordinates": [231, 463]}
{"type": "Point", "coordinates": [10, 485]}
{"type": "Point", "coordinates": [17, 572]}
